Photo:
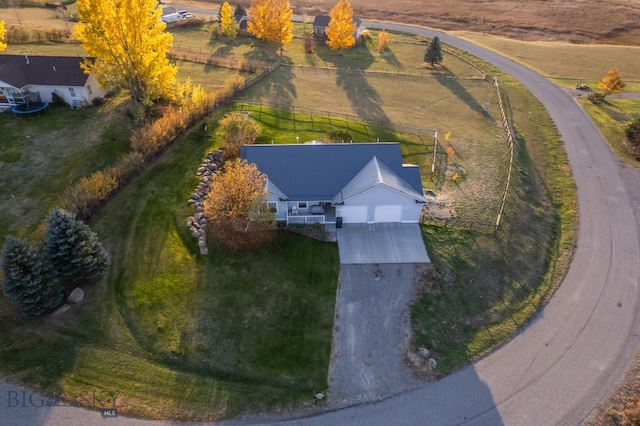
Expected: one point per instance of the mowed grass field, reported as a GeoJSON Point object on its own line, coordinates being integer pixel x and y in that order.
{"type": "Point", "coordinates": [176, 334]}
{"type": "Point", "coordinates": [565, 62]}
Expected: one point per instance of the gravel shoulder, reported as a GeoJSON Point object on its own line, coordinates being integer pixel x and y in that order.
{"type": "Point", "coordinates": [371, 334]}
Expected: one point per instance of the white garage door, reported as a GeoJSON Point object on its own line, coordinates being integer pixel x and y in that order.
{"type": "Point", "coordinates": [388, 214]}
{"type": "Point", "coordinates": [354, 214]}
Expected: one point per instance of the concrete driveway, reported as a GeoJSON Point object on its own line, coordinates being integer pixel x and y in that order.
{"type": "Point", "coordinates": [381, 243]}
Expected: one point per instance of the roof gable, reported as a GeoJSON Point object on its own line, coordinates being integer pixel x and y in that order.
{"type": "Point", "coordinates": [374, 174]}
{"type": "Point", "coordinates": [22, 70]}
{"type": "Point", "coordinates": [321, 171]}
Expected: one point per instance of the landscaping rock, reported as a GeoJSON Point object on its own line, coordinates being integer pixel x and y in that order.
{"type": "Point", "coordinates": [201, 234]}
{"type": "Point", "coordinates": [198, 216]}
{"type": "Point", "coordinates": [190, 221]}
{"type": "Point", "coordinates": [195, 233]}
{"type": "Point", "coordinates": [199, 208]}
{"type": "Point", "coordinates": [61, 310]}
{"type": "Point", "coordinates": [191, 201]}
{"type": "Point", "coordinates": [196, 197]}
{"type": "Point", "coordinates": [433, 364]}
{"type": "Point", "coordinates": [212, 167]}
{"type": "Point", "coordinates": [424, 353]}
{"type": "Point", "coordinates": [203, 247]}
{"type": "Point", "coordinates": [76, 295]}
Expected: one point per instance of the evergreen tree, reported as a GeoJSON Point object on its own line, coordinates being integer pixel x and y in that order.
{"type": "Point", "coordinates": [240, 11]}
{"type": "Point", "coordinates": [73, 249]}
{"type": "Point", "coordinates": [29, 282]}
{"type": "Point", "coordinates": [433, 55]}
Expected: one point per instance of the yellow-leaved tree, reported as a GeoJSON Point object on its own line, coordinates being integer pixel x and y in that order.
{"type": "Point", "coordinates": [383, 41]}
{"type": "Point", "coordinates": [271, 21]}
{"type": "Point", "coordinates": [611, 82]}
{"type": "Point", "coordinates": [228, 21]}
{"type": "Point", "coordinates": [129, 46]}
{"type": "Point", "coordinates": [3, 33]}
{"type": "Point", "coordinates": [236, 206]}
{"type": "Point", "coordinates": [341, 26]}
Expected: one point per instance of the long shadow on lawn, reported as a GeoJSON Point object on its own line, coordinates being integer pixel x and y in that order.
{"type": "Point", "coordinates": [279, 87]}
{"type": "Point", "coordinates": [461, 93]}
{"type": "Point", "coordinates": [364, 98]}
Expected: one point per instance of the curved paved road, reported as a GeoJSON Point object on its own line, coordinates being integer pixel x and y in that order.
{"type": "Point", "coordinates": [566, 361]}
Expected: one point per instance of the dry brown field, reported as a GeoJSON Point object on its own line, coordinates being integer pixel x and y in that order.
{"type": "Point", "coordinates": [579, 21]}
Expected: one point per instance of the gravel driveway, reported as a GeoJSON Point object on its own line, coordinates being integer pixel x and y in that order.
{"type": "Point", "coordinates": [371, 333]}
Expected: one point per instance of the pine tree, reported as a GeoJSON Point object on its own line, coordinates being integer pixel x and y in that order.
{"type": "Point", "coordinates": [341, 26]}
{"type": "Point", "coordinates": [240, 11]}
{"type": "Point", "coordinates": [130, 46]}
{"type": "Point", "coordinates": [228, 21]}
{"type": "Point", "coordinates": [73, 249]}
{"type": "Point", "coordinates": [29, 282]}
{"type": "Point", "coordinates": [433, 55]}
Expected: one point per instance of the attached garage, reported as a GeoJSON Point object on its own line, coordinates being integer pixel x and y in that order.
{"type": "Point", "coordinates": [387, 213]}
{"type": "Point", "coordinates": [354, 214]}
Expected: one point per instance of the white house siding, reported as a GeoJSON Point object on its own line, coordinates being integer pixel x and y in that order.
{"type": "Point", "coordinates": [96, 90]}
{"type": "Point", "coordinates": [382, 195]}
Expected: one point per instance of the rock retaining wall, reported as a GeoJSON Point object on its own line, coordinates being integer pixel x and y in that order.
{"type": "Point", "coordinates": [198, 222]}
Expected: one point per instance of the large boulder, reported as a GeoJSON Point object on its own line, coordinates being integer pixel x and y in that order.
{"type": "Point", "coordinates": [76, 295]}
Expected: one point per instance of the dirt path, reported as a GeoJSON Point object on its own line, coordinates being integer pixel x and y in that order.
{"type": "Point", "coordinates": [371, 333]}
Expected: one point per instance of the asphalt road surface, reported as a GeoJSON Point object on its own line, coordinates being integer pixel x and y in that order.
{"type": "Point", "coordinates": [571, 355]}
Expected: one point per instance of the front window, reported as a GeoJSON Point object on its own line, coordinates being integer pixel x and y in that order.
{"type": "Point", "coordinates": [302, 204]}
{"type": "Point", "coordinates": [72, 91]}
{"type": "Point", "coordinates": [89, 91]}
{"type": "Point", "coordinates": [272, 207]}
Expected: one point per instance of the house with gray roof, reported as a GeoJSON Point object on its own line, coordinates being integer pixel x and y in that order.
{"type": "Point", "coordinates": [27, 78]}
{"type": "Point", "coordinates": [357, 182]}
{"type": "Point", "coordinates": [321, 22]}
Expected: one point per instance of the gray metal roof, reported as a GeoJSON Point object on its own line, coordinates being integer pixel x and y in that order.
{"type": "Point", "coordinates": [374, 174]}
{"type": "Point", "coordinates": [321, 21]}
{"type": "Point", "coordinates": [22, 70]}
{"type": "Point", "coordinates": [320, 171]}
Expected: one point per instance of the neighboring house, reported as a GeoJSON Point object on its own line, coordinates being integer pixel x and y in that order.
{"type": "Point", "coordinates": [321, 22]}
{"type": "Point", "coordinates": [243, 21]}
{"type": "Point", "coordinates": [359, 182]}
{"type": "Point", "coordinates": [31, 78]}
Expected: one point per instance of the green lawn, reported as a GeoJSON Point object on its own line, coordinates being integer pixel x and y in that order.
{"type": "Point", "coordinates": [612, 118]}
{"type": "Point", "coordinates": [178, 334]}
{"type": "Point", "coordinates": [52, 145]}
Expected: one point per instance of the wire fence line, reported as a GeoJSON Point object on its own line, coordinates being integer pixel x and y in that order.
{"type": "Point", "coordinates": [508, 131]}
{"type": "Point", "coordinates": [386, 124]}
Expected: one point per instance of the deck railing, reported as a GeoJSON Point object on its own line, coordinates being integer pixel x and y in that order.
{"type": "Point", "coordinates": [302, 220]}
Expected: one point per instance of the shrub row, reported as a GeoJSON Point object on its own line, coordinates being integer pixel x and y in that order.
{"type": "Point", "coordinates": [18, 35]}
{"type": "Point", "coordinates": [90, 193]}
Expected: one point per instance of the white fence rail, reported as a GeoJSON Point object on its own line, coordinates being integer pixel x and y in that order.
{"type": "Point", "coordinates": [303, 220]}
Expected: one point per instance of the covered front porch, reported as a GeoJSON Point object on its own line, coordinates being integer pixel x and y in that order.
{"type": "Point", "coordinates": [310, 212]}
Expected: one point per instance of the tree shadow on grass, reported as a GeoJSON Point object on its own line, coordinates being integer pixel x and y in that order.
{"type": "Point", "coordinates": [454, 86]}
{"type": "Point", "coordinates": [392, 59]}
{"type": "Point", "coordinates": [278, 88]}
{"type": "Point", "coordinates": [365, 99]}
